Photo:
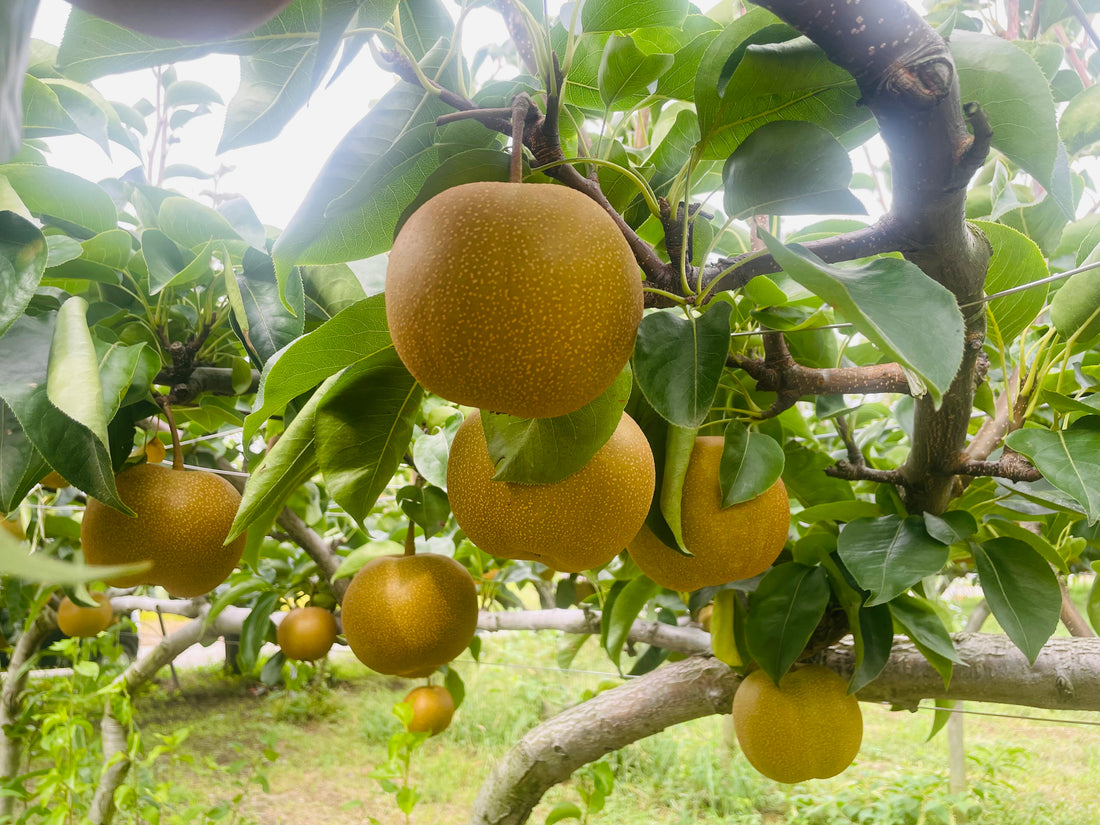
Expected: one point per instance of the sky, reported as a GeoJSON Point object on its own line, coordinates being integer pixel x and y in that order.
{"type": "Point", "coordinates": [274, 176]}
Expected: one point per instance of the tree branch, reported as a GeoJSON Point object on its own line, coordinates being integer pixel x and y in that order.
{"type": "Point", "coordinates": [188, 385]}
{"type": "Point", "coordinates": [1066, 675]}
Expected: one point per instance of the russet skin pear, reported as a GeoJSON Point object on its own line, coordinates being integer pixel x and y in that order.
{"type": "Point", "coordinates": [513, 297]}
{"type": "Point", "coordinates": [727, 544]}
{"type": "Point", "coordinates": [806, 727]}
{"type": "Point", "coordinates": [407, 615]}
{"type": "Point", "coordinates": [306, 634]}
{"type": "Point", "coordinates": [578, 523]}
{"type": "Point", "coordinates": [183, 517]}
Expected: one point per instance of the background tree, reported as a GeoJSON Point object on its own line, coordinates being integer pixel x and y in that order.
{"type": "Point", "coordinates": [922, 382]}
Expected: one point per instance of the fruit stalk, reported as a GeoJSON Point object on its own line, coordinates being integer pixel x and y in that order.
{"type": "Point", "coordinates": [177, 452]}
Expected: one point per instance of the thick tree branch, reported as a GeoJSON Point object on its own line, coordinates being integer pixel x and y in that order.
{"type": "Point", "coordinates": [1066, 675]}
{"type": "Point", "coordinates": [1011, 465]}
{"type": "Point", "coordinates": [778, 372]}
{"type": "Point", "coordinates": [189, 384]}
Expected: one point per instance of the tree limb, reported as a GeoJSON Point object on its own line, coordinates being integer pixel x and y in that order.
{"type": "Point", "coordinates": [189, 384]}
{"type": "Point", "coordinates": [1066, 675]}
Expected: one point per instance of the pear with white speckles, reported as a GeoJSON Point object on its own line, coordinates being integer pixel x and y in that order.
{"type": "Point", "coordinates": [183, 517]}
{"type": "Point", "coordinates": [517, 298]}
{"type": "Point", "coordinates": [575, 524]}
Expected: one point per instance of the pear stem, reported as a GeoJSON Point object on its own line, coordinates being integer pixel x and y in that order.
{"type": "Point", "coordinates": [521, 106]}
{"type": "Point", "coordinates": [177, 451]}
{"type": "Point", "coordinates": [410, 539]}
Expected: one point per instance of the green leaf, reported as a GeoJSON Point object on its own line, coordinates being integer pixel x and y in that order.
{"type": "Point", "coordinates": [840, 511]}
{"type": "Point", "coordinates": [888, 555]}
{"type": "Point", "coordinates": [354, 334]}
{"type": "Point", "coordinates": [789, 168]}
{"type": "Point", "coordinates": [426, 506]}
{"type": "Point", "coordinates": [751, 463]}
{"type": "Point", "coordinates": [364, 424]}
{"type": "Point", "coordinates": [23, 255]}
{"type": "Point", "coordinates": [678, 446]}
{"type": "Point", "coordinates": [330, 289]}
{"type": "Point", "coordinates": [17, 562]}
{"type": "Point", "coordinates": [1016, 261]}
{"type": "Point", "coordinates": [605, 17]}
{"type": "Point", "coordinates": [276, 81]}
{"type": "Point", "coordinates": [626, 73]}
{"type": "Point", "coordinates": [1022, 592]}
{"type": "Point", "coordinates": [93, 47]}
{"type": "Point", "coordinates": [353, 207]}
{"type": "Point", "coordinates": [678, 361]}
{"type": "Point", "coordinates": [877, 298]}
{"type": "Point", "coordinates": [43, 114]}
{"type": "Point", "coordinates": [1016, 99]}
{"type": "Point", "coordinates": [190, 93]}
{"type": "Point", "coordinates": [53, 193]}
{"type": "Point", "coordinates": [1068, 459]}
{"type": "Point", "coordinates": [773, 81]}
{"type": "Point", "coordinates": [470, 166]}
{"type": "Point", "coordinates": [272, 671]}
{"type": "Point", "coordinates": [679, 81]}
{"type": "Point", "coordinates": [951, 527]}
{"type": "Point", "coordinates": [16, 20]}
{"type": "Point", "coordinates": [1036, 541]}
{"type": "Point", "coordinates": [563, 811]}
{"type": "Point", "coordinates": [944, 707]}
{"type": "Point", "coordinates": [1080, 122]}
{"type": "Point", "coordinates": [268, 325]}
{"type": "Point", "coordinates": [85, 107]}
{"type": "Point", "coordinates": [70, 447]}
{"type": "Point", "coordinates": [126, 372]}
{"type": "Point", "coordinates": [256, 629]}
{"type": "Point", "coordinates": [286, 466]}
{"type": "Point", "coordinates": [874, 640]}
{"type": "Point", "coordinates": [21, 465]}
{"type": "Point", "coordinates": [430, 451]}
{"type": "Point", "coordinates": [191, 225]}
{"type": "Point", "coordinates": [784, 611]}
{"type": "Point", "coordinates": [547, 450]}
{"type": "Point", "coordinates": [623, 612]}
{"type": "Point", "coordinates": [72, 380]}
{"type": "Point", "coordinates": [919, 620]}
{"type": "Point", "coordinates": [164, 259]}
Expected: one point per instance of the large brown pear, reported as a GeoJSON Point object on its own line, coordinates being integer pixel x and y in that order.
{"type": "Point", "coordinates": [575, 524]}
{"type": "Point", "coordinates": [407, 615]}
{"type": "Point", "coordinates": [516, 298]}
{"type": "Point", "coordinates": [183, 517]}
{"type": "Point", "coordinates": [727, 543]}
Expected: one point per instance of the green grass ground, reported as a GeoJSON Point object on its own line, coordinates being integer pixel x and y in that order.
{"type": "Point", "coordinates": [1021, 771]}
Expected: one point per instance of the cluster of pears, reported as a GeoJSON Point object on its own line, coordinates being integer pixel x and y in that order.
{"type": "Point", "coordinates": [525, 299]}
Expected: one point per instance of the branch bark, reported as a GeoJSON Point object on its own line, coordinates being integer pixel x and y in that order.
{"type": "Point", "coordinates": [1066, 675]}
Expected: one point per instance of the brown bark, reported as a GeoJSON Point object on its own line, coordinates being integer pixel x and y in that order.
{"type": "Point", "coordinates": [1065, 676]}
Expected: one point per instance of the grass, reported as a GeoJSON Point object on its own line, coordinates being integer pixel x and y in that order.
{"type": "Point", "coordinates": [329, 739]}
